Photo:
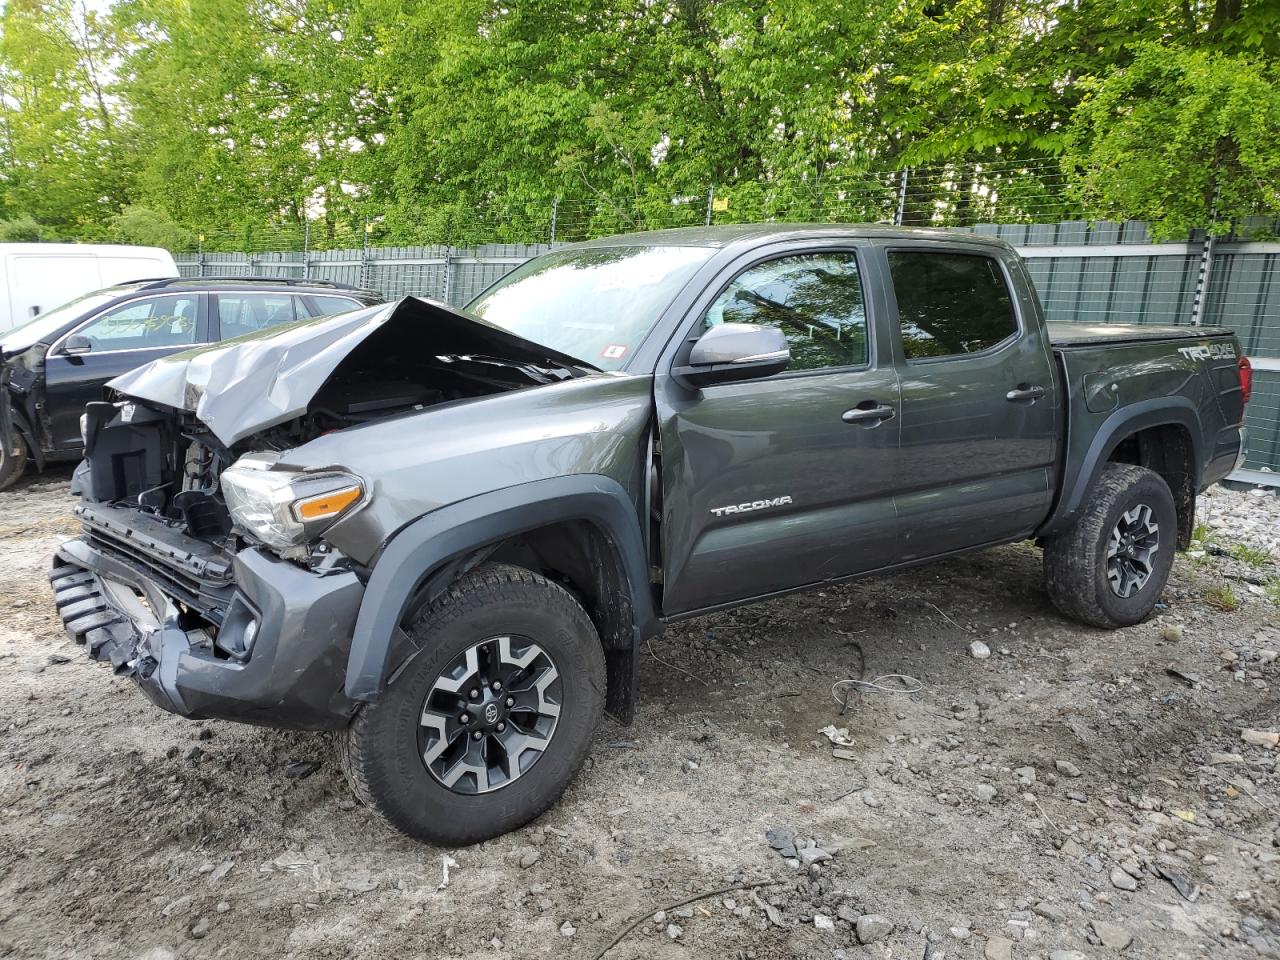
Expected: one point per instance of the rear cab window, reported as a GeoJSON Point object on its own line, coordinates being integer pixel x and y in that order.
{"type": "Point", "coordinates": [950, 304]}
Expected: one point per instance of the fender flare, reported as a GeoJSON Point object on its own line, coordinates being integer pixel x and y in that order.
{"type": "Point", "coordinates": [1123, 423]}
{"type": "Point", "coordinates": [435, 542]}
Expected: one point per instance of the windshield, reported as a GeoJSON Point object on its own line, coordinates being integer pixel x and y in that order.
{"type": "Point", "coordinates": [50, 323]}
{"type": "Point", "coordinates": [595, 304]}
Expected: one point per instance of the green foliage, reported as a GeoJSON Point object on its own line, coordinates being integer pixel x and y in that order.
{"type": "Point", "coordinates": [1251, 555]}
{"type": "Point", "coordinates": [1223, 597]}
{"type": "Point", "coordinates": [23, 229]}
{"type": "Point", "coordinates": [149, 228]}
{"type": "Point", "coordinates": [458, 120]}
{"type": "Point", "coordinates": [1179, 137]}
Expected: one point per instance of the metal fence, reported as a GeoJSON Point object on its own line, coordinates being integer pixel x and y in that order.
{"type": "Point", "coordinates": [1099, 272]}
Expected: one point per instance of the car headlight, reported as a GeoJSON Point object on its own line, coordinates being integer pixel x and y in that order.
{"type": "Point", "coordinates": [284, 508]}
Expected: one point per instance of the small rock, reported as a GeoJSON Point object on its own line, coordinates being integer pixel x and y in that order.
{"type": "Point", "coordinates": [300, 769]}
{"type": "Point", "coordinates": [847, 913]}
{"type": "Point", "coordinates": [57, 659]}
{"type": "Point", "coordinates": [529, 857]}
{"type": "Point", "coordinates": [567, 929]}
{"type": "Point", "coordinates": [960, 933]}
{"type": "Point", "coordinates": [822, 922]}
{"type": "Point", "coordinates": [223, 906]}
{"type": "Point", "coordinates": [206, 733]}
{"type": "Point", "coordinates": [1067, 955]}
{"type": "Point", "coordinates": [1067, 768]}
{"type": "Point", "coordinates": [674, 930]}
{"type": "Point", "coordinates": [998, 948]}
{"type": "Point", "coordinates": [1261, 738]}
{"type": "Point", "coordinates": [1122, 881]}
{"type": "Point", "coordinates": [1026, 775]}
{"type": "Point", "coordinates": [660, 917]}
{"type": "Point", "coordinates": [1268, 656]}
{"type": "Point", "coordinates": [1218, 759]}
{"type": "Point", "coordinates": [872, 927]}
{"type": "Point", "coordinates": [1113, 937]}
{"type": "Point", "coordinates": [1050, 911]}
{"type": "Point", "coordinates": [201, 929]}
{"type": "Point", "coordinates": [870, 799]}
{"type": "Point", "coordinates": [984, 792]}
{"type": "Point", "coordinates": [979, 650]}
{"type": "Point", "coordinates": [689, 766]}
{"type": "Point", "coordinates": [1172, 633]}
{"type": "Point", "coordinates": [811, 855]}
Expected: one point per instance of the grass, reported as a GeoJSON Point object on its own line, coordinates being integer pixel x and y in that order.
{"type": "Point", "coordinates": [1272, 592]}
{"type": "Point", "coordinates": [1251, 555]}
{"type": "Point", "coordinates": [1202, 533]}
{"type": "Point", "coordinates": [1223, 597]}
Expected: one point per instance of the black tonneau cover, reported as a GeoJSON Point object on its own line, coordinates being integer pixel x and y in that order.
{"type": "Point", "coordinates": [1063, 334]}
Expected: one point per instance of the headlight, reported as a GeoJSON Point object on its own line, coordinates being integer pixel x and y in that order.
{"type": "Point", "coordinates": [284, 508]}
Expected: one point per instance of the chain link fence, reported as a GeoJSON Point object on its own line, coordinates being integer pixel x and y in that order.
{"type": "Point", "coordinates": [1087, 271]}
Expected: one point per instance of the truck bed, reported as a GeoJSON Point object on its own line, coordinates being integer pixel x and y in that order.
{"type": "Point", "coordinates": [1065, 334]}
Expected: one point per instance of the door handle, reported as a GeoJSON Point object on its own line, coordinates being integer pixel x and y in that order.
{"type": "Point", "coordinates": [870, 415]}
{"type": "Point", "coordinates": [1024, 392]}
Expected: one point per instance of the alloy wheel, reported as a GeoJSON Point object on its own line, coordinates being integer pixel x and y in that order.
{"type": "Point", "coordinates": [1133, 543]}
{"type": "Point", "coordinates": [490, 716]}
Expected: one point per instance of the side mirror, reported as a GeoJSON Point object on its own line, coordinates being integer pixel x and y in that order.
{"type": "Point", "coordinates": [731, 352]}
{"type": "Point", "coordinates": [76, 344]}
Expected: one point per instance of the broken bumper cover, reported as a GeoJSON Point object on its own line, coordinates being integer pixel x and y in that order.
{"type": "Point", "coordinates": [292, 629]}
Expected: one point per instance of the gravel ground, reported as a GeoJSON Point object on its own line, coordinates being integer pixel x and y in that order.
{"type": "Point", "coordinates": [1076, 794]}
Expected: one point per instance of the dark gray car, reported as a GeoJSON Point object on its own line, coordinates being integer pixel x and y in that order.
{"type": "Point", "coordinates": [446, 533]}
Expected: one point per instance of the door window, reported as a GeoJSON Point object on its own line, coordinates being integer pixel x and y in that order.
{"type": "Point", "coordinates": [950, 304]}
{"type": "Point", "coordinates": [814, 298]}
{"type": "Point", "coordinates": [326, 306]}
{"type": "Point", "coordinates": [144, 324]}
{"type": "Point", "coordinates": [241, 313]}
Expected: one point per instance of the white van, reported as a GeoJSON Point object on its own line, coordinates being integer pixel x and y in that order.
{"type": "Point", "coordinates": [40, 276]}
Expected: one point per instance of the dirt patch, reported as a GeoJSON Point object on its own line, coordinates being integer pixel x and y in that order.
{"type": "Point", "coordinates": [1055, 796]}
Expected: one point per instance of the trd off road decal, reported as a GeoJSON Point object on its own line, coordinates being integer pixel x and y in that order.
{"type": "Point", "coordinates": [753, 505]}
{"type": "Point", "coordinates": [1209, 351]}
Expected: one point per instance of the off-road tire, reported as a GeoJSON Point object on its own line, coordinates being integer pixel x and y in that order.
{"type": "Point", "coordinates": [379, 751]}
{"type": "Point", "coordinates": [1075, 561]}
{"type": "Point", "coordinates": [12, 466]}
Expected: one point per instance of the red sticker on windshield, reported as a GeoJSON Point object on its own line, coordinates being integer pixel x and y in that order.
{"type": "Point", "coordinates": [614, 351]}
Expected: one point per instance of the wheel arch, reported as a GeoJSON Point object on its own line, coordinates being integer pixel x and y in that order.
{"type": "Point", "coordinates": [583, 530]}
{"type": "Point", "coordinates": [1137, 434]}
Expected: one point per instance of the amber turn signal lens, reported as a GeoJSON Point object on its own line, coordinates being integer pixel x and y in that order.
{"type": "Point", "coordinates": [326, 504]}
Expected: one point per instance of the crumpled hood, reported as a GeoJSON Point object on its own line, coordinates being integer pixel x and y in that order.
{"type": "Point", "coordinates": [241, 386]}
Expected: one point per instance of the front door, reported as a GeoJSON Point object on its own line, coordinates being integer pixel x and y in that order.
{"type": "Point", "coordinates": [114, 342]}
{"type": "Point", "coordinates": [784, 481]}
{"type": "Point", "coordinates": [979, 415]}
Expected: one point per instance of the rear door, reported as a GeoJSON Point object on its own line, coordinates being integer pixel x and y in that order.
{"type": "Point", "coordinates": [118, 339]}
{"type": "Point", "coordinates": [979, 416]}
{"type": "Point", "coordinates": [788, 480]}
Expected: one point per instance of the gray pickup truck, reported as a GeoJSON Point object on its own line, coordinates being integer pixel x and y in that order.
{"type": "Point", "coordinates": [445, 534]}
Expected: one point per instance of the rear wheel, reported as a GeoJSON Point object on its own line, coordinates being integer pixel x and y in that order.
{"type": "Point", "coordinates": [1110, 567]}
{"type": "Point", "coordinates": [13, 461]}
{"type": "Point", "coordinates": [484, 729]}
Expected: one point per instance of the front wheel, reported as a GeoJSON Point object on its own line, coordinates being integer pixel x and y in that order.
{"type": "Point", "coordinates": [13, 461]}
{"type": "Point", "coordinates": [1110, 567]}
{"type": "Point", "coordinates": [486, 726]}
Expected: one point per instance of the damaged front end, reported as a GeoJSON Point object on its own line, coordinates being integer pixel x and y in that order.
{"type": "Point", "coordinates": [202, 570]}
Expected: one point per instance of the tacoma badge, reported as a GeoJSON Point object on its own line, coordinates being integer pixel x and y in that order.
{"type": "Point", "coordinates": [753, 505]}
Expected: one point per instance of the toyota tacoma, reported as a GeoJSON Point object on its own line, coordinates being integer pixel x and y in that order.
{"type": "Point", "coordinates": [446, 533]}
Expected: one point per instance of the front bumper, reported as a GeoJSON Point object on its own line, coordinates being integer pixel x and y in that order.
{"type": "Point", "coordinates": [291, 630]}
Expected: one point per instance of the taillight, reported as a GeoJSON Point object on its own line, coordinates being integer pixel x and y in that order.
{"type": "Point", "coordinates": [1246, 378]}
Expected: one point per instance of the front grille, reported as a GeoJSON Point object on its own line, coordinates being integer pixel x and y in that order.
{"type": "Point", "coordinates": [208, 596]}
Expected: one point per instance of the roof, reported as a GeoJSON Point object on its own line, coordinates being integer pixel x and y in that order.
{"type": "Point", "coordinates": [750, 234]}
